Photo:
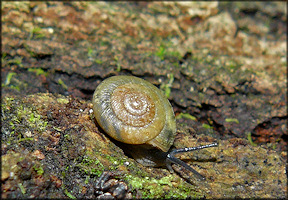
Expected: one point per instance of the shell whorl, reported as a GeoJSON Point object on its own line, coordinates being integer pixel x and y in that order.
{"type": "Point", "coordinates": [132, 105]}
{"type": "Point", "coordinates": [133, 111]}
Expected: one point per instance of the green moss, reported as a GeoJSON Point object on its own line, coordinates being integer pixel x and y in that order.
{"type": "Point", "coordinates": [31, 116]}
{"type": "Point", "coordinates": [118, 64]}
{"type": "Point", "coordinates": [186, 115]}
{"type": "Point", "coordinates": [37, 33]}
{"type": "Point", "coordinates": [16, 114]}
{"type": "Point", "coordinates": [167, 49]}
{"type": "Point", "coordinates": [63, 173]}
{"type": "Point", "coordinates": [69, 194]}
{"type": "Point", "coordinates": [25, 139]}
{"type": "Point", "coordinates": [273, 146]}
{"type": "Point", "coordinates": [3, 57]}
{"type": "Point", "coordinates": [13, 82]}
{"type": "Point", "coordinates": [90, 52]}
{"type": "Point", "coordinates": [7, 103]}
{"type": "Point", "coordinates": [38, 169]}
{"type": "Point", "coordinates": [98, 61]}
{"type": "Point", "coordinates": [207, 126]}
{"type": "Point", "coordinates": [23, 190]}
{"type": "Point", "coordinates": [8, 78]}
{"type": "Point", "coordinates": [8, 81]}
{"type": "Point", "coordinates": [90, 165]}
{"type": "Point", "coordinates": [15, 88]}
{"type": "Point", "coordinates": [60, 82]}
{"type": "Point", "coordinates": [114, 161]}
{"type": "Point", "coordinates": [175, 54]}
{"type": "Point", "coordinates": [167, 87]}
{"type": "Point", "coordinates": [232, 120]}
{"type": "Point", "coordinates": [62, 100]}
{"type": "Point", "coordinates": [161, 52]}
{"type": "Point", "coordinates": [87, 180]}
{"type": "Point", "coordinates": [249, 137]}
{"type": "Point", "coordinates": [160, 188]}
{"type": "Point", "coordinates": [16, 61]}
{"type": "Point", "coordinates": [38, 71]}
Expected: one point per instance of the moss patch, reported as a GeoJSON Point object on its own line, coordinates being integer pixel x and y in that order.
{"type": "Point", "coordinates": [167, 187]}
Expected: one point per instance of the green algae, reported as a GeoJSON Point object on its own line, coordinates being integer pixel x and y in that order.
{"type": "Point", "coordinates": [161, 188]}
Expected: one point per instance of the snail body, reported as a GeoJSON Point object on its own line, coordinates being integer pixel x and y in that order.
{"type": "Point", "coordinates": [137, 114]}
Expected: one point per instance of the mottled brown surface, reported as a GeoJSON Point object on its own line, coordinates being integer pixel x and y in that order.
{"type": "Point", "coordinates": [69, 153]}
{"type": "Point", "coordinates": [223, 63]}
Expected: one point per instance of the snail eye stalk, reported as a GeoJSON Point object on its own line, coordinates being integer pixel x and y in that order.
{"type": "Point", "coordinates": [172, 159]}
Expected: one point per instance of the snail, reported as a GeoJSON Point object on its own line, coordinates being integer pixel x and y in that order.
{"type": "Point", "coordinates": [137, 114]}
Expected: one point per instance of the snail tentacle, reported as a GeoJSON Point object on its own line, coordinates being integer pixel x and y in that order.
{"type": "Point", "coordinates": [172, 159]}
{"type": "Point", "coordinates": [187, 149]}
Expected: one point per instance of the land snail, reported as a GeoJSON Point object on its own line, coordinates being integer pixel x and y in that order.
{"type": "Point", "coordinates": [137, 114]}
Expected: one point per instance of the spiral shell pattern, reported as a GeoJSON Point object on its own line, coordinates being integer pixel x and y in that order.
{"type": "Point", "coordinates": [133, 111]}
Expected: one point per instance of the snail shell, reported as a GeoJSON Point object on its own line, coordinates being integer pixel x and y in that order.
{"type": "Point", "coordinates": [133, 111]}
{"type": "Point", "coordinates": [137, 114]}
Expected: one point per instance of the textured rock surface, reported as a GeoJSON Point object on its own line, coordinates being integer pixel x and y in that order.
{"type": "Point", "coordinates": [52, 144]}
{"type": "Point", "coordinates": [222, 65]}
